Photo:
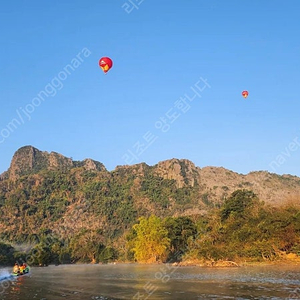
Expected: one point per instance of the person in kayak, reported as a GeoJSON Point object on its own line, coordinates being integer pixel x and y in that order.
{"type": "Point", "coordinates": [23, 268]}
{"type": "Point", "coordinates": [16, 268]}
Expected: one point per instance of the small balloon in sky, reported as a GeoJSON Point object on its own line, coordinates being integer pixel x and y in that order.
{"type": "Point", "coordinates": [105, 64]}
{"type": "Point", "coordinates": [245, 94]}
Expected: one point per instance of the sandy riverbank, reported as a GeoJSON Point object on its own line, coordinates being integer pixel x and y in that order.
{"type": "Point", "coordinates": [286, 260]}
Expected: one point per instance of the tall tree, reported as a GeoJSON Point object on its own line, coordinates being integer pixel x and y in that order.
{"type": "Point", "coordinates": [86, 246]}
{"type": "Point", "coordinates": [180, 231]}
{"type": "Point", "coordinates": [151, 243]}
{"type": "Point", "coordinates": [238, 203]}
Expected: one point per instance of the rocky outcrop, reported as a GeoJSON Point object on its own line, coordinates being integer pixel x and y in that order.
{"type": "Point", "coordinates": [26, 160]}
{"type": "Point", "coordinates": [183, 171]}
{"type": "Point", "coordinates": [29, 160]}
{"type": "Point", "coordinates": [56, 161]}
{"type": "Point", "coordinates": [92, 165]}
{"type": "Point", "coordinates": [138, 170]}
{"type": "Point", "coordinates": [212, 184]}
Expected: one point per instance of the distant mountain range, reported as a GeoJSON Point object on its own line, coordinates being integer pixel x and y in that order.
{"type": "Point", "coordinates": [46, 190]}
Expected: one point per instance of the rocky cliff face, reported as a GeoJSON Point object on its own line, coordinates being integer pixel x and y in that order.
{"type": "Point", "coordinates": [83, 194]}
{"type": "Point", "coordinates": [89, 164]}
{"type": "Point", "coordinates": [213, 184]}
{"type": "Point", "coordinates": [28, 160]}
{"type": "Point", "coordinates": [183, 171]}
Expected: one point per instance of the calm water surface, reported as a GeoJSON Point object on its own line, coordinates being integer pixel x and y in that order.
{"type": "Point", "coordinates": [132, 281]}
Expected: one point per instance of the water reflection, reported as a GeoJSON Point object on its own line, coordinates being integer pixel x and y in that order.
{"type": "Point", "coordinates": [131, 281]}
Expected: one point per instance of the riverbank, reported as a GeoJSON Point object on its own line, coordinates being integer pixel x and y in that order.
{"type": "Point", "coordinates": [289, 259]}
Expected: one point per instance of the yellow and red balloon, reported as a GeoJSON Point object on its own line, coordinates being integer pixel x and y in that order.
{"type": "Point", "coordinates": [245, 94]}
{"type": "Point", "coordinates": [105, 64]}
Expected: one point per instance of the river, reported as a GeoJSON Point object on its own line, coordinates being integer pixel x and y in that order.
{"type": "Point", "coordinates": [134, 281]}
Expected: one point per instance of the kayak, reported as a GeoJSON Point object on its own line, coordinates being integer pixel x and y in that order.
{"type": "Point", "coordinates": [20, 273]}
{"type": "Point", "coordinates": [6, 277]}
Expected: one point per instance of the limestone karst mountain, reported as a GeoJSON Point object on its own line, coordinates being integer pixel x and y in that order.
{"type": "Point", "coordinates": [212, 183]}
{"type": "Point", "coordinates": [29, 160]}
{"type": "Point", "coordinates": [48, 191]}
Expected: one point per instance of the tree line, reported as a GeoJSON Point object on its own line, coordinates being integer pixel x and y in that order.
{"type": "Point", "coordinates": [243, 228]}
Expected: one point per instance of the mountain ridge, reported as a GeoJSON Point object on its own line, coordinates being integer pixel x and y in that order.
{"type": "Point", "coordinates": [216, 182]}
{"type": "Point", "coordinates": [47, 192]}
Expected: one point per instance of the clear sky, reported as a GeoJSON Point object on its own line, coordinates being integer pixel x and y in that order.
{"type": "Point", "coordinates": [55, 97]}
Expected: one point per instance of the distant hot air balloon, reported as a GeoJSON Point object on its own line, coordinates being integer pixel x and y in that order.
{"type": "Point", "coordinates": [105, 64]}
{"type": "Point", "coordinates": [245, 94]}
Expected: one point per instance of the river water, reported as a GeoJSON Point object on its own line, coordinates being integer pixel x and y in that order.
{"type": "Point", "coordinates": [134, 281]}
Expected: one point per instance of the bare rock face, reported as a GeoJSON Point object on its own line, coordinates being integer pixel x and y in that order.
{"type": "Point", "coordinates": [29, 160]}
{"type": "Point", "coordinates": [213, 184]}
{"type": "Point", "coordinates": [137, 170]}
{"type": "Point", "coordinates": [271, 188]}
{"type": "Point", "coordinates": [92, 165]}
{"type": "Point", "coordinates": [25, 160]}
{"type": "Point", "coordinates": [57, 161]}
{"type": "Point", "coordinates": [183, 171]}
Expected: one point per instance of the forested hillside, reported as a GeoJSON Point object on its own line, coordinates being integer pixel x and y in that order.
{"type": "Point", "coordinates": [78, 211]}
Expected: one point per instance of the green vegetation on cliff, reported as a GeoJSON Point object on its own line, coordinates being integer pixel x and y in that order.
{"type": "Point", "coordinates": [243, 228]}
{"type": "Point", "coordinates": [56, 210]}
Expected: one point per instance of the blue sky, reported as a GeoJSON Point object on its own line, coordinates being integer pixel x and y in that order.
{"type": "Point", "coordinates": [161, 50]}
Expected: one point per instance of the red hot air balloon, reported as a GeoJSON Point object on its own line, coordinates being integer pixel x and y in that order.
{"type": "Point", "coordinates": [105, 64]}
{"type": "Point", "coordinates": [245, 94]}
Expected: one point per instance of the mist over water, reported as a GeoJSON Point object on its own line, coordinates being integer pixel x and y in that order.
{"type": "Point", "coordinates": [133, 281]}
